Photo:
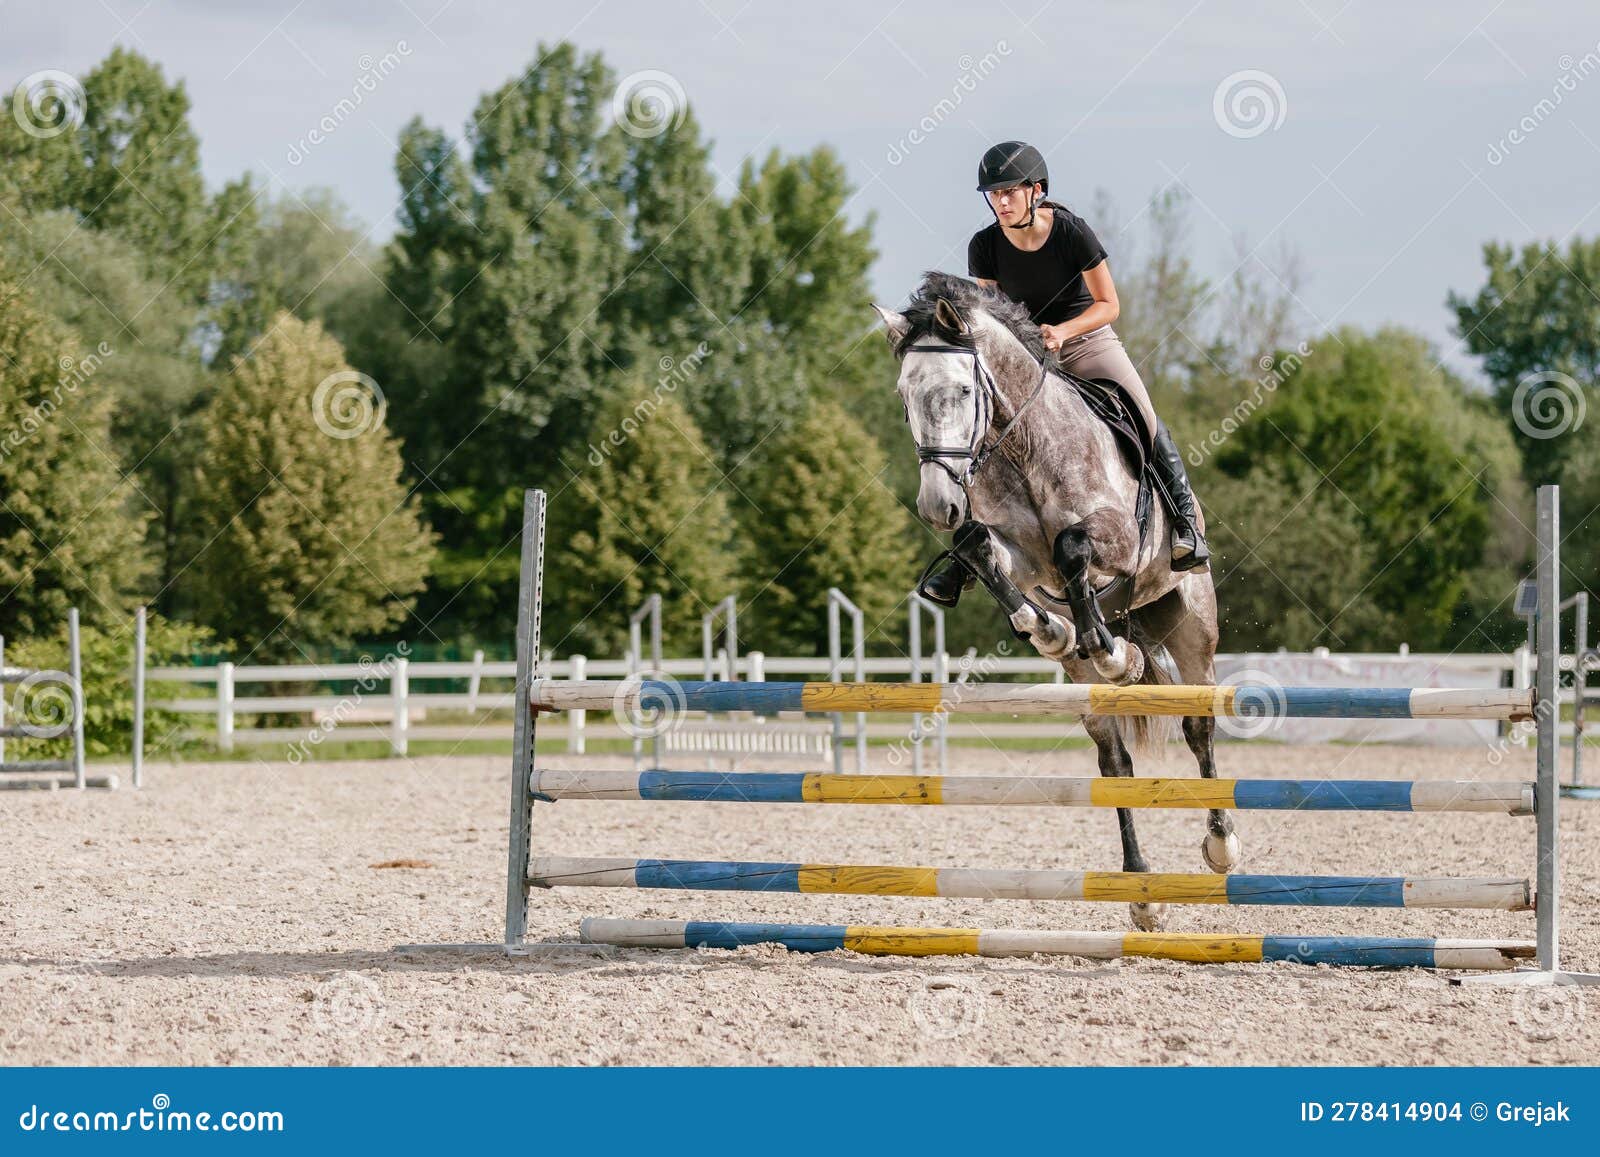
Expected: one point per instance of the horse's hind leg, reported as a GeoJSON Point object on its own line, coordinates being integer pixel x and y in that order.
{"type": "Point", "coordinates": [1114, 760]}
{"type": "Point", "coordinates": [1185, 622]}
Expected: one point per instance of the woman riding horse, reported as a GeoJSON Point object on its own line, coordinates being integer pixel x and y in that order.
{"type": "Point", "coordinates": [1041, 254]}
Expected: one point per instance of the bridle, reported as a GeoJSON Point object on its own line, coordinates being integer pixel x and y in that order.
{"type": "Point", "coordinates": [976, 453]}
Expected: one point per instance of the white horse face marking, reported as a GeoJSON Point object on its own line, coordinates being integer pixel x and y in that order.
{"type": "Point", "coordinates": [937, 392]}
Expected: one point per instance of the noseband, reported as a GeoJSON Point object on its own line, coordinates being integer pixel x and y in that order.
{"type": "Point", "coordinates": [975, 453]}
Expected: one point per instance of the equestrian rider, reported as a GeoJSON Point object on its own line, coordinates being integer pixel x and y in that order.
{"type": "Point", "coordinates": [1039, 253]}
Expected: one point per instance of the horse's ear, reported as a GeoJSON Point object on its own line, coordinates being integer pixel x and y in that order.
{"type": "Point", "coordinates": [897, 324]}
{"type": "Point", "coordinates": [948, 318]}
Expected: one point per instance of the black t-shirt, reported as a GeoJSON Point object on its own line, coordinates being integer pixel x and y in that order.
{"type": "Point", "coordinates": [1049, 281]}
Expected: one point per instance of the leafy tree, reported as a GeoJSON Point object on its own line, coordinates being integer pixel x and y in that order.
{"type": "Point", "coordinates": [1290, 567]}
{"type": "Point", "coordinates": [97, 284]}
{"type": "Point", "coordinates": [306, 256]}
{"type": "Point", "coordinates": [304, 532]}
{"type": "Point", "coordinates": [822, 517]}
{"type": "Point", "coordinates": [1373, 418]}
{"type": "Point", "coordinates": [131, 168]}
{"type": "Point", "coordinates": [67, 535]}
{"type": "Point", "coordinates": [106, 654]}
{"type": "Point", "coordinates": [1537, 314]}
{"type": "Point", "coordinates": [644, 510]}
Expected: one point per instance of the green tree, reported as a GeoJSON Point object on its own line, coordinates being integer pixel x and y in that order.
{"type": "Point", "coordinates": [67, 534]}
{"type": "Point", "coordinates": [1537, 314]}
{"type": "Point", "coordinates": [97, 284]}
{"type": "Point", "coordinates": [307, 255]}
{"type": "Point", "coordinates": [822, 517]}
{"type": "Point", "coordinates": [1373, 419]}
{"type": "Point", "coordinates": [1290, 568]}
{"type": "Point", "coordinates": [131, 168]}
{"type": "Point", "coordinates": [304, 532]}
{"type": "Point", "coordinates": [644, 511]}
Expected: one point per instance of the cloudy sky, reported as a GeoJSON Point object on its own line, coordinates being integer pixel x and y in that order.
{"type": "Point", "coordinates": [1374, 138]}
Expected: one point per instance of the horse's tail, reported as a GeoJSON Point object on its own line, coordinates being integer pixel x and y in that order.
{"type": "Point", "coordinates": [1148, 734]}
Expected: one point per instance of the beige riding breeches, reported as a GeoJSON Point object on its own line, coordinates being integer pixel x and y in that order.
{"type": "Point", "coordinates": [1099, 354]}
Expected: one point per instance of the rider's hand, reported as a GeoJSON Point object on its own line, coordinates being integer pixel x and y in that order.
{"type": "Point", "coordinates": [1053, 335]}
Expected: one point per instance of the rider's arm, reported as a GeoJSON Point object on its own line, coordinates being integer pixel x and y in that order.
{"type": "Point", "coordinates": [1104, 310]}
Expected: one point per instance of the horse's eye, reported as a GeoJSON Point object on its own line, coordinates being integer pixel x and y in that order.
{"type": "Point", "coordinates": [966, 391]}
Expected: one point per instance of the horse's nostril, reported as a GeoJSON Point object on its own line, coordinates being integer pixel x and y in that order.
{"type": "Point", "coordinates": [953, 514]}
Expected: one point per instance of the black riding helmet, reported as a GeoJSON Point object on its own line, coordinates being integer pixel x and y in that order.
{"type": "Point", "coordinates": [1013, 163]}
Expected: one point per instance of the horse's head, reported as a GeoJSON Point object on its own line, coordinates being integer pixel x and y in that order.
{"type": "Point", "coordinates": [947, 392]}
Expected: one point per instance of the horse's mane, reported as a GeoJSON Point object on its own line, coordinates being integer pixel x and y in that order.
{"type": "Point", "coordinates": [966, 296]}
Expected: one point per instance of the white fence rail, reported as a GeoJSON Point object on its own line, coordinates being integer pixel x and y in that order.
{"type": "Point", "coordinates": [387, 705]}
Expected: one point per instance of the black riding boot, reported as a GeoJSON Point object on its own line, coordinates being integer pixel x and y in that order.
{"type": "Point", "coordinates": [945, 585]}
{"type": "Point", "coordinates": [1188, 545]}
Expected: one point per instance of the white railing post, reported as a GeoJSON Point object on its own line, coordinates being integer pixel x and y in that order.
{"type": "Point", "coordinates": [224, 706]}
{"type": "Point", "coordinates": [138, 697]}
{"type": "Point", "coordinates": [577, 668]}
{"type": "Point", "coordinates": [75, 660]}
{"type": "Point", "coordinates": [399, 693]}
{"type": "Point", "coordinates": [475, 681]}
{"type": "Point", "coordinates": [941, 674]}
{"type": "Point", "coordinates": [838, 602]}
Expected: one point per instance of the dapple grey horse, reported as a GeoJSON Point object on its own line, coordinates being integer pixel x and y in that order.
{"type": "Point", "coordinates": [1041, 500]}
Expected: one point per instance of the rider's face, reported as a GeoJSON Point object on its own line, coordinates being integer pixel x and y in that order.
{"type": "Point", "coordinates": [1010, 204]}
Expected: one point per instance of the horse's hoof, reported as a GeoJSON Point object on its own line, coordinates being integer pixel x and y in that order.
{"type": "Point", "coordinates": [1221, 853]}
{"type": "Point", "coordinates": [1148, 917]}
{"type": "Point", "coordinates": [1135, 668]}
{"type": "Point", "coordinates": [1124, 664]}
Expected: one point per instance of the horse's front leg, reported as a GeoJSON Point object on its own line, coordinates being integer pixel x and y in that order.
{"type": "Point", "coordinates": [1115, 659]}
{"type": "Point", "coordinates": [1115, 761]}
{"type": "Point", "coordinates": [997, 561]}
